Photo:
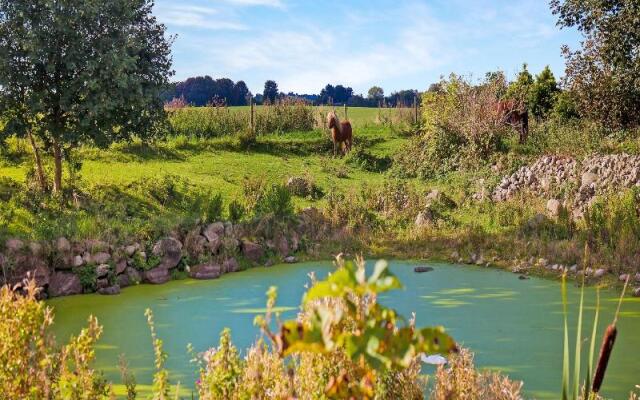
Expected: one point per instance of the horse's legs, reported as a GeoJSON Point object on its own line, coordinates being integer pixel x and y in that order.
{"type": "Point", "coordinates": [334, 148]}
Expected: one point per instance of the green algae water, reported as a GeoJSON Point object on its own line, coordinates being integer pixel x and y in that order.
{"type": "Point", "coordinates": [513, 326]}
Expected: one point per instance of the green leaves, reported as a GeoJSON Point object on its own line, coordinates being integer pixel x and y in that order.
{"type": "Point", "coordinates": [351, 279]}
{"type": "Point", "coordinates": [343, 315]}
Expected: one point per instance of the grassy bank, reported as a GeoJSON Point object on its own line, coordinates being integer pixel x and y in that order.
{"type": "Point", "coordinates": [142, 191]}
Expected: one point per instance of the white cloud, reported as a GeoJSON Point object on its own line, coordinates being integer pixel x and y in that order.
{"type": "Point", "coordinates": [195, 17]}
{"type": "Point", "coordinates": [305, 61]}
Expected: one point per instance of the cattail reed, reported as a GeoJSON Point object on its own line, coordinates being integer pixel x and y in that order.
{"type": "Point", "coordinates": [608, 341]}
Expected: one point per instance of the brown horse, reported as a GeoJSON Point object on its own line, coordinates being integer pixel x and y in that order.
{"type": "Point", "coordinates": [513, 113]}
{"type": "Point", "coordinates": [341, 132]}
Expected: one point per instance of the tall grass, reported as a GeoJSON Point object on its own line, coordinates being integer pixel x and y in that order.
{"type": "Point", "coordinates": [586, 388]}
{"type": "Point", "coordinates": [214, 121]}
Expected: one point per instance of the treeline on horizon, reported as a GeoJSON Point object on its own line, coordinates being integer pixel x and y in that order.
{"type": "Point", "coordinates": [204, 90]}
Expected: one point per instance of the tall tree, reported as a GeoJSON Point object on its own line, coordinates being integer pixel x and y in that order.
{"type": "Point", "coordinates": [376, 93]}
{"type": "Point", "coordinates": [518, 89]}
{"type": "Point", "coordinates": [604, 75]}
{"type": "Point", "coordinates": [240, 94]}
{"type": "Point", "coordinates": [90, 70]}
{"type": "Point", "coordinates": [543, 93]}
{"type": "Point", "coordinates": [270, 93]}
{"type": "Point", "coordinates": [223, 91]}
{"type": "Point", "coordinates": [328, 94]}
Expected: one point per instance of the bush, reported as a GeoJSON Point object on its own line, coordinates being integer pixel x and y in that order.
{"type": "Point", "coordinates": [213, 207]}
{"type": "Point", "coordinates": [467, 111]}
{"type": "Point", "coordinates": [275, 201]}
{"type": "Point", "coordinates": [31, 364]}
{"type": "Point", "coordinates": [236, 211]}
{"type": "Point", "coordinates": [430, 155]}
{"type": "Point", "coordinates": [303, 186]}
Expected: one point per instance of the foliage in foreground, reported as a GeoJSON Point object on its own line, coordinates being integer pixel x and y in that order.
{"type": "Point", "coordinates": [343, 345]}
{"type": "Point", "coordinates": [31, 365]}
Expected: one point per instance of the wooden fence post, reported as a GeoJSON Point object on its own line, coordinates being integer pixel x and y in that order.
{"type": "Point", "coordinates": [415, 107]}
{"type": "Point", "coordinates": [251, 117]}
{"type": "Point", "coordinates": [345, 112]}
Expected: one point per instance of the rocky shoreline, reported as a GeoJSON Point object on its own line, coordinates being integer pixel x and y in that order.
{"type": "Point", "coordinates": [206, 251]}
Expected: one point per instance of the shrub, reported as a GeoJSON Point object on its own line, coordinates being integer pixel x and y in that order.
{"type": "Point", "coordinates": [236, 211]}
{"type": "Point", "coordinates": [614, 221]}
{"type": "Point", "coordinates": [213, 207]}
{"type": "Point", "coordinates": [31, 364]}
{"type": "Point", "coordinates": [460, 380]}
{"type": "Point", "coordinates": [275, 201]}
{"type": "Point", "coordinates": [467, 111]}
{"type": "Point", "coordinates": [430, 155]}
{"type": "Point", "coordinates": [303, 186]}
{"type": "Point", "coordinates": [253, 189]}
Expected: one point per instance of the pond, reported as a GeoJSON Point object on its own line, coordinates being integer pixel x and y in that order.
{"type": "Point", "coordinates": [514, 326]}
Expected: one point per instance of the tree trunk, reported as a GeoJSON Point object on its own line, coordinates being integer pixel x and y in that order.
{"type": "Point", "coordinates": [42, 180]}
{"type": "Point", "coordinates": [57, 156]}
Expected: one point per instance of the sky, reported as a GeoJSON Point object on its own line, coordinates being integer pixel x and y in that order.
{"type": "Point", "coordinates": [395, 44]}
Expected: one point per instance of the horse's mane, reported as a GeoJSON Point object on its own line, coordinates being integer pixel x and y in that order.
{"type": "Point", "coordinates": [333, 115]}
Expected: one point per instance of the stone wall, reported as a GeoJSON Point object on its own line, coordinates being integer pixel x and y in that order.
{"type": "Point", "coordinates": [207, 251]}
{"type": "Point", "coordinates": [581, 180]}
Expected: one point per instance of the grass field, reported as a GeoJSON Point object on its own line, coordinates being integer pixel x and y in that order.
{"type": "Point", "coordinates": [219, 164]}
{"type": "Point", "coordinates": [215, 165]}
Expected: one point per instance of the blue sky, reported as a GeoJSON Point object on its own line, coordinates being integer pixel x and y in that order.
{"type": "Point", "coordinates": [395, 44]}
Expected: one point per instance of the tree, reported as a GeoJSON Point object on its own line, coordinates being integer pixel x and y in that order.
{"type": "Point", "coordinates": [270, 93]}
{"type": "Point", "coordinates": [88, 71]}
{"type": "Point", "coordinates": [342, 94]}
{"type": "Point", "coordinates": [328, 94]}
{"type": "Point", "coordinates": [223, 91]}
{"type": "Point", "coordinates": [240, 94]}
{"type": "Point", "coordinates": [198, 91]}
{"type": "Point", "coordinates": [543, 93]}
{"type": "Point", "coordinates": [376, 93]}
{"type": "Point", "coordinates": [518, 89]}
{"type": "Point", "coordinates": [603, 76]}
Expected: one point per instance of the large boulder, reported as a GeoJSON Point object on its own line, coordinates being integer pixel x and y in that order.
{"type": "Point", "coordinates": [170, 252]}
{"type": "Point", "coordinates": [64, 284]}
{"type": "Point", "coordinates": [131, 249]}
{"type": "Point", "coordinates": [195, 245]}
{"type": "Point", "coordinates": [63, 245]}
{"type": "Point", "coordinates": [123, 280]}
{"type": "Point", "coordinates": [252, 251]}
{"type": "Point", "coordinates": [102, 270]}
{"type": "Point", "coordinates": [230, 265]}
{"type": "Point", "coordinates": [36, 249]}
{"type": "Point", "coordinates": [101, 258]}
{"type": "Point", "coordinates": [554, 207]}
{"type": "Point", "coordinates": [41, 275]}
{"type": "Point", "coordinates": [77, 261]}
{"type": "Point", "coordinates": [206, 271]}
{"type": "Point", "coordinates": [424, 218]}
{"type": "Point", "coordinates": [14, 245]}
{"type": "Point", "coordinates": [282, 246]}
{"type": "Point", "coordinates": [157, 276]}
{"type": "Point", "coordinates": [133, 275]}
{"type": "Point", "coordinates": [121, 266]}
{"type": "Point", "coordinates": [213, 231]}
